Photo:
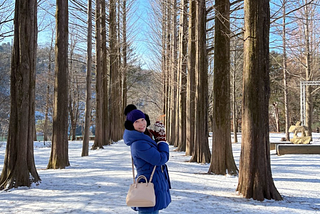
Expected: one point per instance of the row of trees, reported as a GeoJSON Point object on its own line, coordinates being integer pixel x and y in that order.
{"type": "Point", "coordinates": [191, 39]}
{"type": "Point", "coordinates": [255, 181]}
{"type": "Point", "coordinates": [64, 77]}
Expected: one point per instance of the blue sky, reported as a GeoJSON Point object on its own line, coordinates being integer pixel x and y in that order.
{"type": "Point", "coordinates": [143, 32]}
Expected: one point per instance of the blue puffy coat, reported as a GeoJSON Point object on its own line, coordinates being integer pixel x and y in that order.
{"type": "Point", "coordinates": [146, 153]}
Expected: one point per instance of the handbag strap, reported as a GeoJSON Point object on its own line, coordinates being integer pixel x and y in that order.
{"type": "Point", "coordinates": [134, 180]}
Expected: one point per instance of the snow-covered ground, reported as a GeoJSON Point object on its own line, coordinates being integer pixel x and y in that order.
{"type": "Point", "coordinates": [99, 183]}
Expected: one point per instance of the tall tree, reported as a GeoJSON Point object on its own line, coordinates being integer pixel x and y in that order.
{"type": "Point", "coordinates": [308, 68]}
{"type": "Point", "coordinates": [59, 151]}
{"type": "Point", "coordinates": [174, 96]}
{"type": "Point", "coordinates": [48, 104]}
{"type": "Point", "coordinates": [191, 79]}
{"type": "Point", "coordinates": [255, 177]}
{"type": "Point", "coordinates": [87, 119]}
{"type": "Point", "coordinates": [201, 153]}
{"type": "Point", "coordinates": [182, 61]}
{"type": "Point", "coordinates": [236, 63]}
{"type": "Point", "coordinates": [73, 88]}
{"type": "Point", "coordinates": [99, 61]}
{"type": "Point", "coordinates": [167, 74]}
{"type": "Point", "coordinates": [222, 160]}
{"type": "Point", "coordinates": [284, 68]}
{"type": "Point", "coordinates": [19, 166]}
{"type": "Point", "coordinates": [115, 80]}
{"type": "Point", "coordinates": [164, 64]}
{"type": "Point", "coordinates": [105, 78]}
{"type": "Point", "coordinates": [124, 54]}
{"type": "Point", "coordinates": [236, 70]}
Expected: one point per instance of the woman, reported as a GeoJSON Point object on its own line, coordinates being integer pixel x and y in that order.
{"type": "Point", "coordinates": [146, 153]}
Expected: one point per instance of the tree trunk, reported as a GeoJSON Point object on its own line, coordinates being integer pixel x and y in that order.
{"type": "Point", "coordinates": [309, 105]}
{"type": "Point", "coordinates": [72, 92]}
{"type": "Point", "coordinates": [48, 94]}
{"type": "Point", "coordinates": [163, 54]}
{"type": "Point", "coordinates": [255, 178]}
{"type": "Point", "coordinates": [115, 77]}
{"type": "Point", "coordinates": [234, 108]}
{"type": "Point", "coordinates": [46, 117]}
{"type": "Point", "coordinates": [222, 161]}
{"type": "Point", "coordinates": [105, 82]}
{"type": "Point", "coordinates": [191, 79]}
{"type": "Point", "coordinates": [201, 153]}
{"type": "Point", "coordinates": [72, 115]}
{"type": "Point", "coordinates": [98, 126]}
{"type": "Point", "coordinates": [174, 99]}
{"type": "Point", "coordinates": [59, 151]}
{"type": "Point", "coordinates": [235, 63]}
{"type": "Point", "coordinates": [115, 81]}
{"type": "Point", "coordinates": [284, 68]}
{"type": "Point", "coordinates": [167, 72]}
{"type": "Point", "coordinates": [124, 55]}
{"type": "Point", "coordinates": [164, 60]}
{"type": "Point", "coordinates": [87, 119]}
{"type": "Point", "coordinates": [183, 73]}
{"type": "Point", "coordinates": [19, 166]}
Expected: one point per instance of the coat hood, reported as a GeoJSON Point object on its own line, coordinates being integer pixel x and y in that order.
{"type": "Point", "coordinates": [130, 136]}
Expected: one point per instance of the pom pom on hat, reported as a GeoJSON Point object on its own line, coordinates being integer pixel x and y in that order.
{"type": "Point", "coordinates": [135, 115]}
{"type": "Point", "coordinates": [129, 108]}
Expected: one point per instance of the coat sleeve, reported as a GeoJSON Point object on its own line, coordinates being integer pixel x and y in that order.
{"type": "Point", "coordinates": [152, 154]}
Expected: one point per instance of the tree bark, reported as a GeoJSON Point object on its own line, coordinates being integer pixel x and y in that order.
{"type": "Point", "coordinates": [48, 94]}
{"type": "Point", "coordinates": [87, 119]}
{"type": "Point", "coordinates": [234, 107]}
{"type": "Point", "coordinates": [309, 102]}
{"type": "Point", "coordinates": [201, 153]}
{"type": "Point", "coordinates": [124, 55]}
{"type": "Point", "coordinates": [115, 77]}
{"type": "Point", "coordinates": [284, 68]}
{"type": "Point", "coordinates": [235, 70]}
{"type": "Point", "coordinates": [164, 53]}
{"type": "Point", "coordinates": [255, 178]}
{"type": "Point", "coordinates": [174, 98]}
{"type": "Point", "coordinates": [167, 72]}
{"type": "Point", "coordinates": [98, 117]}
{"type": "Point", "coordinates": [183, 73]}
{"type": "Point", "coordinates": [222, 161]}
{"type": "Point", "coordinates": [19, 166]}
{"type": "Point", "coordinates": [191, 79]}
{"type": "Point", "coordinates": [59, 151]}
{"type": "Point", "coordinates": [105, 79]}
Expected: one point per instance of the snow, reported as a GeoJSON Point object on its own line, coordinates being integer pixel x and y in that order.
{"type": "Point", "coordinates": [99, 182]}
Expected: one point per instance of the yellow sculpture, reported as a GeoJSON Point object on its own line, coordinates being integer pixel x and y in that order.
{"type": "Point", "coordinates": [303, 139]}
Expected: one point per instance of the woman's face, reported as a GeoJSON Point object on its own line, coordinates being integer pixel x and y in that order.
{"type": "Point", "coordinates": [140, 125]}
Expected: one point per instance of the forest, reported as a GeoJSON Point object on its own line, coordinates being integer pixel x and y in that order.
{"type": "Point", "coordinates": [69, 68]}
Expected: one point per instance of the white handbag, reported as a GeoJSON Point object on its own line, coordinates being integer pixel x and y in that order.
{"type": "Point", "coordinates": [141, 194]}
